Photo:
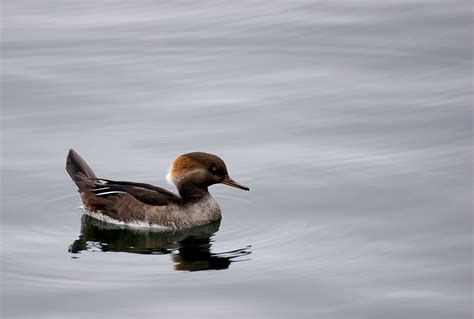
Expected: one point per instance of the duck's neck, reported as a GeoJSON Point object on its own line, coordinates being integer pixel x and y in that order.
{"type": "Point", "coordinates": [191, 192]}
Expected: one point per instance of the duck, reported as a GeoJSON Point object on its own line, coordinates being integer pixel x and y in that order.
{"type": "Point", "coordinates": [144, 205]}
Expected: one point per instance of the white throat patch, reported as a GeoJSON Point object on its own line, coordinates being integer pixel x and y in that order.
{"type": "Point", "coordinates": [170, 178]}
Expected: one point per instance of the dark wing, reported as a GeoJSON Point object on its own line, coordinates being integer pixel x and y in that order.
{"type": "Point", "coordinates": [146, 193]}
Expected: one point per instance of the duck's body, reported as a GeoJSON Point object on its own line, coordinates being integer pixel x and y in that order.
{"type": "Point", "coordinates": [127, 210]}
{"type": "Point", "coordinates": [145, 205]}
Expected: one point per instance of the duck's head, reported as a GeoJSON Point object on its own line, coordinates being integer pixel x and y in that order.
{"type": "Point", "coordinates": [200, 169]}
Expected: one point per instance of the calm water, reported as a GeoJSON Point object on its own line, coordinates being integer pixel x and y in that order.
{"type": "Point", "coordinates": [350, 121]}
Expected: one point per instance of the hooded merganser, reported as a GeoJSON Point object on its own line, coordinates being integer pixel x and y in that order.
{"type": "Point", "coordinates": [145, 205]}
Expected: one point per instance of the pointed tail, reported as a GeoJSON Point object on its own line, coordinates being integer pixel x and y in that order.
{"type": "Point", "coordinates": [79, 171]}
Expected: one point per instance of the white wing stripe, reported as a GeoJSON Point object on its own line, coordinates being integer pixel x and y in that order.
{"type": "Point", "coordinates": [108, 193]}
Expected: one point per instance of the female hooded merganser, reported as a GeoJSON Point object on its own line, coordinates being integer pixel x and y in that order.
{"type": "Point", "coordinates": [145, 205]}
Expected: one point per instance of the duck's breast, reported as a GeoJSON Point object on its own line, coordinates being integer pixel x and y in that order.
{"type": "Point", "coordinates": [186, 215]}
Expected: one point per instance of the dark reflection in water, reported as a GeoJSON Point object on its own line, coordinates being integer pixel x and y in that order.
{"type": "Point", "coordinates": [190, 248]}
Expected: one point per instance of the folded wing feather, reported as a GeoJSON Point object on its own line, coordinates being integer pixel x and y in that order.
{"type": "Point", "coordinates": [146, 193]}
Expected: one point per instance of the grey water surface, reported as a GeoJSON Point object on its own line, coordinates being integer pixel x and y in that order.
{"type": "Point", "coordinates": [351, 122]}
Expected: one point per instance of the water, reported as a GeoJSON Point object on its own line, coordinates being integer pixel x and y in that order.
{"type": "Point", "coordinates": [350, 121]}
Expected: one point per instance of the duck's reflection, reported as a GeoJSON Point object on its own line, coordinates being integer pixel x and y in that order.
{"type": "Point", "coordinates": [190, 248]}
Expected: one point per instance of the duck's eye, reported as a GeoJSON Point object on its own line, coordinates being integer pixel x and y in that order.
{"type": "Point", "coordinates": [213, 168]}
